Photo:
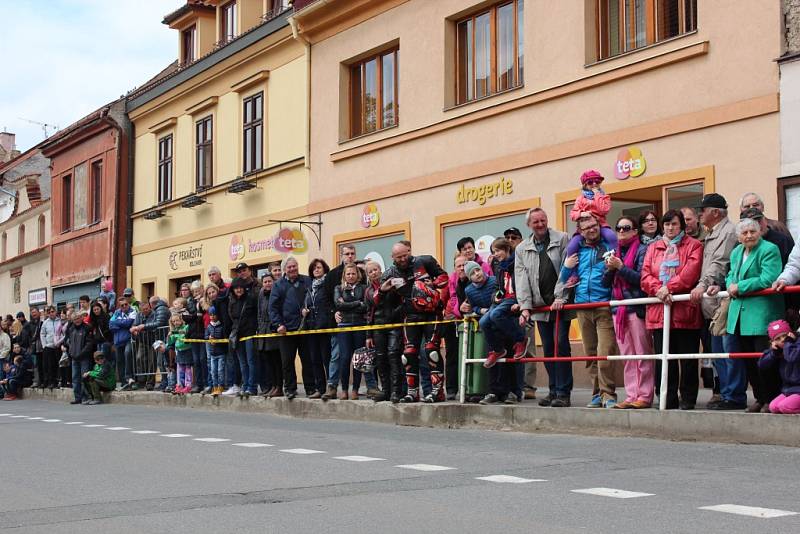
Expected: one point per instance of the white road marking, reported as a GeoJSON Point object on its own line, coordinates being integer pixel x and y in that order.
{"type": "Point", "coordinates": [302, 451]}
{"type": "Point", "coordinates": [145, 432]}
{"type": "Point", "coordinates": [74, 423]}
{"type": "Point", "coordinates": [359, 458]}
{"type": "Point", "coordinates": [252, 445]}
{"type": "Point", "coordinates": [18, 416]}
{"type": "Point", "coordinates": [51, 420]}
{"type": "Point", "coordinates": [4, 414]}
{"type": "Point", "coordinates": [752, 511]}
{"type": "Point", "coordinates": [508, 479]}
{"type": "Point", "coordinates": [35, 418]}
{"type": "Point", "coordinates": [424, 467]}
{"type": "Point", "coordinates": [93, 426]}
{"type": "Point", "coordinates": [176, 435]}
{"type": "Point", "coordinates": [212, 440]}
{"type": "Point", "coordinates": [611, 492]}
{"type": "Point", "coordinates": [116, 428]}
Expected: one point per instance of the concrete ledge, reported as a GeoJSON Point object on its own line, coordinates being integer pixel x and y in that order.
{"type": "Point", "coordinates": [724, 427]}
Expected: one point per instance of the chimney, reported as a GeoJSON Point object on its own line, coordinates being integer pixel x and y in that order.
{"type": "Point", "coordinates": [7, 141]}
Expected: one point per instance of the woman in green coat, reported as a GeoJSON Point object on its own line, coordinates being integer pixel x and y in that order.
{"type": "Point", "coordinates": [755, 265]}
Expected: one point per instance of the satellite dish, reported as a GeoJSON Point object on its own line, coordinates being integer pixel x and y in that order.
{"type": "Point", "coordinates": [7, 202]}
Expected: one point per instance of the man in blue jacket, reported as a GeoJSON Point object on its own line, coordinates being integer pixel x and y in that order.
{"type": "Point", "coordinates": [597, 325]}
{"type": "Point", "coordinates": [120, 325]}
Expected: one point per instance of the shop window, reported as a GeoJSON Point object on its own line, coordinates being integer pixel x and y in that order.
{"type": "Point", "coordinates": [483, 231]}
{"type": "Point", "coordinates": [66, 203]}
{"type": "Point", "coordinates": [21, 239]}
{"type": "Point", "coordinates": [489, 52]}
{"type": "Point", "coordinates": [626, 25]}
{"type": "Point", "coordinates": [377, 249]}
{"type": "Point", "coordinates": [189, 44]}
{"type": "Point", "coordinates": [789, 204]}
{"type": "Point", "coordinates": [175, 286]}
{"type": "Point", "coordinates": [97, 191]}
{"type": "Point", "coordinates": [41, 237]}
{"type": "Point", "coordinates": [227, 22]}
{"type": "Point", "coordinates": [204, 153]}
{"type": "Point", "coordinates": [165, 169]}
{"type": "Point", "coordinates": [253, 132]}
{"type": "Point", "coordinates": [373, 93]}
{"type": "Point", "coordinates": [80, 217]}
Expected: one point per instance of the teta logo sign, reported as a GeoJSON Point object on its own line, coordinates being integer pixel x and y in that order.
{"type": "Point", "coordinates": [236, 250]}
{"type": "Point", "coordinates": [370, 216]}
{"type": "Point", "coordinates": [289, 240]}
{"type": "Point", "coordinates": [630, 162]}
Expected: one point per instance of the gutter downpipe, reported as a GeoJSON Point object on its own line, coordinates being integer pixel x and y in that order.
{"type": "Point", "coordinates": [307, 44]}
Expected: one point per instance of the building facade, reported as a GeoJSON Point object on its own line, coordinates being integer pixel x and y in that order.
{"type": "Point", "coordinates": [789, 64]}
{"type": "Point", "coordinates": [437, 120]}
{"type": "Point", "coordinates": [220, 148]}
{"type": "Point", "coordinates": [24, 232]}
{"type": "Point", "coordinates": [90, 168]}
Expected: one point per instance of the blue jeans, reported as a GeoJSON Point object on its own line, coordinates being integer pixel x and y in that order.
{"type": "Point", "coordinates": [732, 373]}
{"type": "Point", "coordinates": [348, 342]}
{"type": "Point", "coordinates": [560, 374]}
{"type": "Point", "coordinates": [499, 325]}
{"type": "Point", "coordinates": [199, 364]}
{"type": "Point", "coordinates": [78, 368]}
{"type": "Point", "coordinates": [216, 368]}
{"type": "Point", "coordinates": [248, 363]}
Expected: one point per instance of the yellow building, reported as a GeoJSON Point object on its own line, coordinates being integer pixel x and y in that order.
{"type": "Point", "coordinates": [221, 148]}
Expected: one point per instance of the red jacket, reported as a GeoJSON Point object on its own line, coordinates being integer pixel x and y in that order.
{"type": "Point", "coordinates": [599, 207]}
{"type": "Point", "coordinates": [684, 314]}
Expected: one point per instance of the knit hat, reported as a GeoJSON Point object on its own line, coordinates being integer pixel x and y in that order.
{"type": "Point", "coordinates": [212, 310]}
{"type": "Point", "coordinates": [469, 267]}
{"type": "Point", "coordinates": [776, 328]}
{"type": "Point", "coordinates": [591, 174]}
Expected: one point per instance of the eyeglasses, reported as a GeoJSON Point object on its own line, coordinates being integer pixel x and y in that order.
{"type": "Point", "coordinates": [650, 219]}
{"type": "Point", "coordinates": [593, 182]}
{"type": "Point", "coordinates": [626, 228]}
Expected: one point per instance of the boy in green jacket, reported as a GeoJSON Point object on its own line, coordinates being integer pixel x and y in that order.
{"type": "Point", "coordinates": [100, 378]}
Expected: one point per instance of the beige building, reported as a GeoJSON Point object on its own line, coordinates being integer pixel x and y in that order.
{"type": "Point", "coordinates": [436, 120]}
{"type": "Point", "coordinates": [220, 148]}
{"type": "Point", "coordinates": [24, 232]}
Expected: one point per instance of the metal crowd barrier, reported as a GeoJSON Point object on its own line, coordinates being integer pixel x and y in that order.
{"type": "Point", "coordinates": [145, 359]}
{"type": "Point", "coordinates": [664, 357]}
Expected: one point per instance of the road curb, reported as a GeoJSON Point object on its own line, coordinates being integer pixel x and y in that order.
{"type": "Point", "coordinates": [722, 427]}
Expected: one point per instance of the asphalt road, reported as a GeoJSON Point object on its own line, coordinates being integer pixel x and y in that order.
{"type": "Point", "coordinates": [141, 469]}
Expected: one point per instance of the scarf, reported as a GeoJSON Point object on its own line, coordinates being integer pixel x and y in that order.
{"type": "Point", "coordinates": [589, 194]}
{"type": "Point", "coordinates": [645, 240]}
{"type": "Point", "coordinates": [671, 261]}
{"type": "Point", "coordinates": [620, 285]}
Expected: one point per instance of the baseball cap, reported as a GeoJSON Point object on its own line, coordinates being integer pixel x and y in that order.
{"type": "Point", "coordinates": [127, 292]}
{"type": "Point", "coordinates": [20, 315]}
{"type": "Point", "coordinates": [240, 266]}
{"type": "Point", "coordinates": [713, 200]}
{"type": "Point", "coordinates": [513, 231]}
{"type": "Point", "coordinates": [752, 213]}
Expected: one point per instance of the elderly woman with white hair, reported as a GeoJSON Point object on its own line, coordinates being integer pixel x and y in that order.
{"type": "Point", "coordinates": [755, 265]}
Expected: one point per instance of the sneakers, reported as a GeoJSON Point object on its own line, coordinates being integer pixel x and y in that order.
{"type": "Point", "coordinates": [231, 391]}
{"type": "Point", "coordinates": [207, 390]}
{"type": "Point", "coordinates": [127, 386]}
{"type": "Point", "coordinates": [596, 402]}
{"type": "Point", "coordinates": [560, 402]}
{"type": "Point", "coordinates": [519, 349]}
{"type": "Point", "coordinates": [511, 399]}
{"type": "Point", "coordinates": [95, 402]}
{"type": "Point", "coordinates": [330, 393]}
{"type": "Point", "coordinates": [727, 405]}
{"type": "Point", "coordinates": [408, 399]}
{"type": "Point", "coordinates": [491, 398]}
{"type": "Point", "coordinates": [428, 399]}
{"type": "Point", "coordinates": [10, 397]}
{"type": "Point", "coordinates": [74, 401]}
{"type": "Point", "coordinates": [610, 403]}
{"type": "Point", "coordinates": [290, 395]}
{"type": "Point", "coordinates": [547, 401]}
{"type": "Point", "coordinates": [492, 358]}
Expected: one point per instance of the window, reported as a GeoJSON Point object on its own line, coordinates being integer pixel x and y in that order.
{"type": "Point", "coordinates": [253, 134]}
{"type": "Point", "coordinates": [66, 203]}
{"type": "Point", "coordinates": [227, 22]}
{"type": "Point", "coordinates": [204, 173]}
{"type": "Point", "coordinates": [489, 52]}
{"type": "Point", "coordinates": [626, 25]}
{"type": "Point", "coordinates": [21, 240]}
{"type": "Point", "coordinates": [373, 93]}
{"type": "Point", "coordinates": [189, 44]}
{"type": "Point", "coordinates": [80, 190]}
{"type": "Point", "coordinates": [97, 191]}
{"type": "Point", "coordinates": [3, 246]}
{"type": "Point", "coordinates": [165, 169]}
{"type": "Point", "coordinates": [42, 231]}
{"type": "Point", "coordinates": [16, 280]}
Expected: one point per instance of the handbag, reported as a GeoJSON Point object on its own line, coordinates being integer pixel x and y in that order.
{"type": "Point", "coordinates": [719, 321]}
{"type": "Point", "coordinates": [233, 340]}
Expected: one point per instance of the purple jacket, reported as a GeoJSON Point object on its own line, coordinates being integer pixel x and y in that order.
{"type": "Point", "coordinates": [788, 366]}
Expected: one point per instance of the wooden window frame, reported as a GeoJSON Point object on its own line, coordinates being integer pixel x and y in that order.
{"type": "Point", "coordinates": [518, 80]}
{"type": "Point", "coordinates": [361, 105]}
{"type": "Point", "coordinates": [687, 22]}
{"type": "Point", "coordinates": [783, 184]}
{"type": "Point", "coordinates": [3, 246]}
{"type": "Point", "coordinates": [165, 171]}
{"type": "Point", "coordinates": [66, 203]}
{"type": "Point", "coordinates": [249, 129]}
{"type": "Point", "coordinates": [228, 18]}
{"type": "Point", "coordinates": [96, 190]}
{"type": "Point", "coordinates": [42, 231]}
{"type": "Point", "coordinates": [189, 52]}
{"type": "Point", "coordinates": [204, 150]}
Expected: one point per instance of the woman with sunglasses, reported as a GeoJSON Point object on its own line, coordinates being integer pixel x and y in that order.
{"type": "Point", "coordinates": [623, 275]}
{"type": "Point", "coordinates": [648, 227]}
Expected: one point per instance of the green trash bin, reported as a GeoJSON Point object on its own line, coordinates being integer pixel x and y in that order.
{"type": "Point", "coordinates": [477, 375]}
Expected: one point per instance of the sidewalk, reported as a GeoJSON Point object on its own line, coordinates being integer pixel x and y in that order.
{"type": "Point", "coordinates": [696, 425]}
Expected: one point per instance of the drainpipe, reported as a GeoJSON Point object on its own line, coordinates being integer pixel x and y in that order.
{"type": "Point", "coordinates": [307, 44]}
{"type": "Point", "coordinates": [112, 122]}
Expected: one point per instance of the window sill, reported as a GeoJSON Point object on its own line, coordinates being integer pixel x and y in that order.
{"type": "Point", "coordinates": [362, 136]}
{"type": "Point", "coordinates": [483, 98]}
{"type": "Point", "coordinates": [641, 49]}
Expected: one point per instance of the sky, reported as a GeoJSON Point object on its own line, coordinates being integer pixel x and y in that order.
{"type": "Point", "coordinates": [62, 59]}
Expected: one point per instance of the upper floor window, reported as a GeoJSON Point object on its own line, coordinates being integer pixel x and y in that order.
{"type": "Point", "coordinates": [489, 51]}
{"type": "Point", "coordinates": [21, 241]}
{"type": "Point", "coordinates": [252, 132]}
{"type": "Point", "coordinates": [626, 25]}
{"type": "Point", "coordinates": [373, 93]}
{"type": "Point", "coordinates": [227, 22]}
{"type": "Point", "coordinates": [42, 229]}
{"type": "Point", "coordinates": [66, 203]}
{"type": "Point", "coordinates": [80, 190]}
{"type": "Point", "coordinates": [97, 191]}
{"type": "Point", "coordinates": [165, 169]}
{"type": "Point", "coordinates": [189, 44]}
{"type": "Point", "coordinates": [204, 153]}
{"type": "Point", "coordinates": [3, 246]}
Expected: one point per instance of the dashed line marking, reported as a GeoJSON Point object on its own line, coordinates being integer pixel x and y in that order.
{"type": "Point", "coordinates": [74, 423]}
{"type": "Point", "coordinates": [116, 428]}
{"type": "Point", "coordinates": [212, 440]}
{"type": "Point", "coordinates": [93, 426]}
{"type": "Point", "coordinates": [51, 420]}
{"type": "Point", "coordinates": [252, 445]}
{"type": "Point", "coordinates": [176, 435]}
{"type": "Point", "coordinates": [35, 418]}
{"type": "Point", "coordinates": [145, 432]}
{"type": "Point", "coordinates": [359, 458]}
{"type": "Point", "coordinates": [751, 511]}
{"type": "Point", "coordinates": [508, 479]}
{"type": "Point", "coordinates": [18, 416]}
{"type": "Point", "coordinates": [302, 451]}
{"type": "Point", "coordinates": [425, 467]}
{"type": "Point", "coordinates": [4, 414]}
{"type": "Point", "coordinates": [611, 492]}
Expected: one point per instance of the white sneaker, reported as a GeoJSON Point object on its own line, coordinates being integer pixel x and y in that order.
{"type": "Point", "coordinates": [232, 391]}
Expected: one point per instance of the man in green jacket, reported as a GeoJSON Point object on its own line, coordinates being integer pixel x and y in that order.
{"type": "Point", "coordinates": [100, 378]}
